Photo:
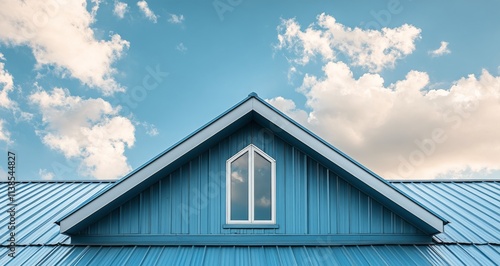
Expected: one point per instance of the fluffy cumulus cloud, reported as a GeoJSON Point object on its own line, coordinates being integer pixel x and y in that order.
{"type": "Point", "coordinates": [60, 35]}
{"type": "Point", "coordinates": [288, 107]}
{"type": "Point", "coordinates": [371, 49]}
{"type": "Point", "coordinates": [85, 129]}
{"type": "Point", "coordinates": [405, 129]}
{"type": "Point", "coordinates": [144, 7]}
{"type": "Point", "coordinates": [442, 50]}
{"type": "Point", "coordinates": [120, 9]}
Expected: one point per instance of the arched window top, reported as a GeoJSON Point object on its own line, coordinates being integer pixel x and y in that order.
{"type": "Point", "coordinates": [251, 187]}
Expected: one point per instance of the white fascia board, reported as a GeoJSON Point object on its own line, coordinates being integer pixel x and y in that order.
{"type": "Point", "coordinates": [155, 166]}
{"type": "Point", "coordinates": [349, 166]}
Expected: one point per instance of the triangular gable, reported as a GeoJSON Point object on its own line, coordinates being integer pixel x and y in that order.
{"type": "Point", "coordinates": [313, 202]}
{"type": "Point", "coordinates": [257, 109]}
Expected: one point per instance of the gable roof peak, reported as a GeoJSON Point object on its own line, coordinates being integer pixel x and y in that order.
{"type": "Point", "coordinates": [251, 108]}
{"type": "Point", "coordinates": [253, 94]}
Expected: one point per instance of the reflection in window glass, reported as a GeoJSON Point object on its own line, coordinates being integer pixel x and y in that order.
{"type": "Point", "coordinates": [239, 188]}
{"type": "Point", "coordinates": [262, 188]}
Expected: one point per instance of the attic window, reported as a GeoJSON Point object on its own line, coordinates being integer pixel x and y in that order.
{"type": "Point", "coordinates": [251, 187]}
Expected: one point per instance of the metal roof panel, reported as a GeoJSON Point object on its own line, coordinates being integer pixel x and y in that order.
{"type": "Point", "coordinates": [450, 254]}
{"type": "Point", "coordinates": [473, 208]}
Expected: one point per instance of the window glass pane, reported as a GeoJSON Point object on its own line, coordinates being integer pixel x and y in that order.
{"type": "Point", "coordinates": [262, 188]}
{"type": "Point", "coordinates": [239, 188]}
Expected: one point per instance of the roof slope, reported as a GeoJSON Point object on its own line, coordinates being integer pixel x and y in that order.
{"type": "Point", "coordinates": [40, 204]}
{"type": "Point", "coordinates": [287, 255]}
{"type": "Point", "coordinates": [472, 207]}
{"type": "Point", "coordinates": [472, 237]}
{"type": "Point", "coordinates": [252, 108]}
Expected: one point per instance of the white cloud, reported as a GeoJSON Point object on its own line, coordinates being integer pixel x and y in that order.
{"type": "Point", "coordinates": [95, 8]}
{"type": "Point", "coordinates": [291, 73]}
{"type": "Point", "coordinates": [120, 9]}
{"type": "Point", "coordinates": [263, 202]}
{"type": "Point", "coordinates": [236, 177]}
{"type": "Point", "coordinates": [289, 108]}
{"type": "Point", "coordinates": [181, 47]}
{"type": "Point", "coordinates": [442, 50]}
{"type": "Point", "coordinates": [45, 174]}
{"type": "Point", "coordinates": [405, 129]}
{"type": "Point", "coordinates": [372, 49]}
{"type": "Point", "coordinates": [4, 133]}
{"type": "Point", "coordinates": [151, 129]}
{"type": "Point", "coordinates": [60, 34]}
{"type": "Point", "coordinates": [6, 86]}
{"type": "Point", "coordinates": [87, 129]}
{"type": "Point", "coordinates": [143, 6]}
{"type": "Point", "coordinates": [176, 19]}
{"type": "Point", "coordinates": [305, 44]}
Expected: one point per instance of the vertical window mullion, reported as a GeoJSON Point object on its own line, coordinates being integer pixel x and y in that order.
{"type": "Point", "coordinates": [228, 191]}
{"type": "Point", "coordinates": [250, 185]}
{"type": "Point", "coordinates": [273, 191]}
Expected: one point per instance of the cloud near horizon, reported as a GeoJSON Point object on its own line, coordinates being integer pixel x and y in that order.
{"type": "Point", "coordinates": [404, 130]}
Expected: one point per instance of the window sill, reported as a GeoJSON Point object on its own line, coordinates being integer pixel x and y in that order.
{"type": "Point", "coordinates": [250, 226]}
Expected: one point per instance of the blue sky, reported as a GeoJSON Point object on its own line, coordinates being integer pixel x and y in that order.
{"type": "Point", "coordinates": [411, 89]}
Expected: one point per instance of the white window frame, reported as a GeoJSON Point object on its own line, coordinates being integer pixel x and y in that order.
{"type": "Point", "coordinates": [251, 208]}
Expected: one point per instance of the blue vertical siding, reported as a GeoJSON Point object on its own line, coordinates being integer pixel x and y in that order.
{"type": "Point", "coordinates": [310, 199]}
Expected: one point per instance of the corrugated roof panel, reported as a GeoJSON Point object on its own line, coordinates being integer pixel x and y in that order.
{"type": "Point", "coordinates": [477, 255]}
{"type": "Point", "coordinates": [285, 254]}
{"type": "Point", "coordinates": [442, 204]}
{"type": "Point", "coordinates": [39, 205]}
{"type": "Point", "coordinates": [299, 255]}
{"type": "Point", "coordinates": [473, 208]}
{"type": "Point", "coordinates": [72, 255]}
{"type": "Point", "coordinates": [22, 254]}
{"type": "Point", "coordinates": [55, 255]}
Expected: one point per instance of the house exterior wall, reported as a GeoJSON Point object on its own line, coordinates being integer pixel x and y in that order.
{"type": "Point", "coordinates": [310, 199]}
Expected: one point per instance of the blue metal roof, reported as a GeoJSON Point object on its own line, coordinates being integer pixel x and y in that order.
{"type": "Point", "coordinates": [471, 238]}
{"type": "Point", "coordinates": [456, 254]}
{"type": "Point", "coordinates": [472, 207]}
{"type": "Point", "coordinates": [40, 204]}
